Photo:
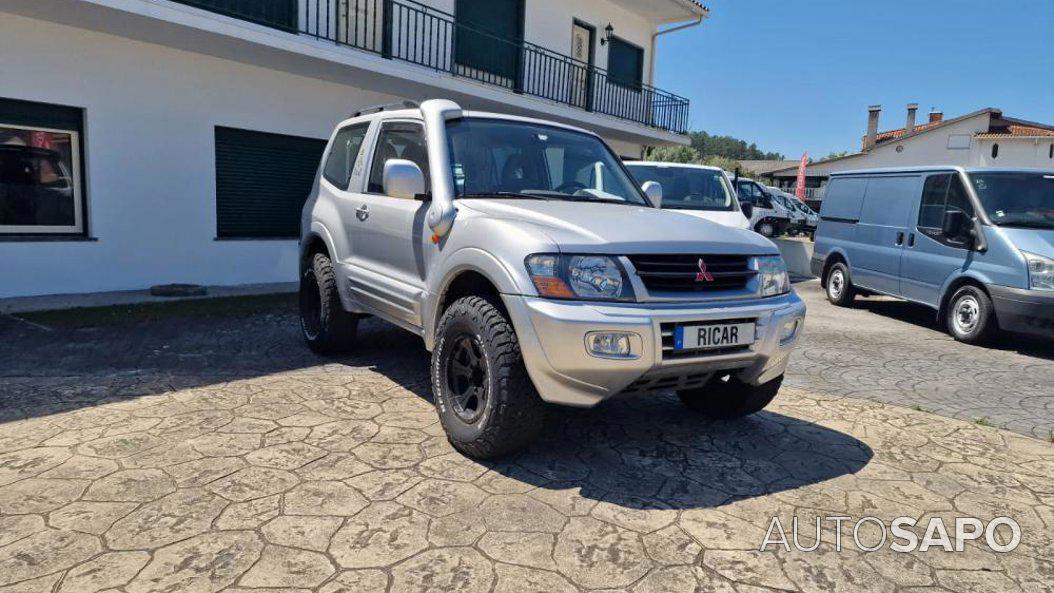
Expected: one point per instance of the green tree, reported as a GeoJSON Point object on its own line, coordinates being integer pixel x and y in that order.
{"type": "Point", "coordinates": [729, 147]}
{"type": "Point", "coordinates": [723, 162]}
{"type": "Point", "coordinates": [673, 154]}
{"type": "Point", "coordinates": [835, 155]}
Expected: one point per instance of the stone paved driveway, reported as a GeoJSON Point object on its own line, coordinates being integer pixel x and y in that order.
{"type": "Point", "coordinates": [204, 455]}
{"type": "Point", "coordinates": [893, 351]}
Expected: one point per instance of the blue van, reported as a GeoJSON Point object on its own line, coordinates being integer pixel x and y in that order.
{"type": "Point", "coordinates": [975, 244]}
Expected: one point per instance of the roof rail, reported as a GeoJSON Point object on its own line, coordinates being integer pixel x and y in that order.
{"type": "Point", "coordinates": [387, 107]}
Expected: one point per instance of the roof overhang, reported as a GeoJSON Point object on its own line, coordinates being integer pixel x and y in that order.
{"type": "Point", "coordinates": [666, 11]}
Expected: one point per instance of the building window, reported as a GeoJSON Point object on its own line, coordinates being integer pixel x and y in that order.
{"type": "Point", "coordinates": [625, 63]}
{"type": "Point", "coordinates": [262, 182]}
{"type": "Point", "coordinates": [41, 179]}
{"type": "Point", "coordinates": [995, 150]}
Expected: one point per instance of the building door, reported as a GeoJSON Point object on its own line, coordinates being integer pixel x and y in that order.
{"type": "Point", "coordinates": [582, 50]}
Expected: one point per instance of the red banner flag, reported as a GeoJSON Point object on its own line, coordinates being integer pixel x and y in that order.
{"type": "Point", "coordinates": [799, 189]}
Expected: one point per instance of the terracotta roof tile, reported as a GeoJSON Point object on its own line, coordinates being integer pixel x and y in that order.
{"type": "Point", "coordinates": [1017, 130]}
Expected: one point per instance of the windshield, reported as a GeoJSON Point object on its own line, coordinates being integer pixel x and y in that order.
{"type": "Point", "coordinates": [688, 188]}
{"type": "Point", "coordinates": [1017, 199]}
{"type": "Point", "coordinates": [492, 157]}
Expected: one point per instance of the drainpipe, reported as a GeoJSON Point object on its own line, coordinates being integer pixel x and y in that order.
{"type": "Point", "coordinates": [655, 36]}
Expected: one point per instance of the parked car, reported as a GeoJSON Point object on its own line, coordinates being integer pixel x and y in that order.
{"type": "Point", "coordinates": [976, 245]}
{"type": "Point", "coordinates": [797, 217]}
{"type": "Point", "coordinates": [696, 190]}
{"type": "Point", "coordinates": [807, 219]}
{"type": "Point", "coordinates": [535, 270]}
{"type": "Point", "coordinates": [770, 218]}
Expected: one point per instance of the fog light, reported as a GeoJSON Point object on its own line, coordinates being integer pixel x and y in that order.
{"type": "Point", "coordinates": [611, 344]}
{"type": "Point", "coordinates": [789, 329]}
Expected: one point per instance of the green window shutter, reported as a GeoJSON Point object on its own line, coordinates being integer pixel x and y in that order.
{"type": "Point", "coordinates": [280, 14]}
{"type": "Point", "coordinates": [262, 182]}
{"type": "Point", "coordinates": [625, 63]}
{"type": "Point", "coordinates": [41, 115]}
{"type": "Point", "coordinates": [480, 22]}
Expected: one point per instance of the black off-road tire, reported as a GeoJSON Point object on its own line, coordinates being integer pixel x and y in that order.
{"type": "Point", "coordinates": [726, 397]}
{"type": "Point", "coordinates": [839, 286]}
{"type": "Point", "coordinates": [326, 326]}
{"type": "Point", "coordinates": [970, 316]}
{"type": "Point", "coordinates": [511, 413]}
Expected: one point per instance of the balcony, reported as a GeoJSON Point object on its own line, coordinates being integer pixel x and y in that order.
{"type": "Point", "coordinates": [411, 32]}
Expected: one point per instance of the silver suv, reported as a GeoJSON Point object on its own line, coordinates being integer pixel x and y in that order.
{"type": "Point", "coordinates": [535, 271]}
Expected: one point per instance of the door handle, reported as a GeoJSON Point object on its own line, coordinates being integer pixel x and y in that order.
{"type": "Point", "coordinates": [911, 239]}
{"type": "Point", "coordinates": [900, 238]}
{"type": "Point", "coordinates": [363, 212]}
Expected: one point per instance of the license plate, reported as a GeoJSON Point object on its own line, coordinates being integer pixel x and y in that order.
{"type": "Point", "coordinates": [713, 335]}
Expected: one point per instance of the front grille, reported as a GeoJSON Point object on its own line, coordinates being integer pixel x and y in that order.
{"type": "Point", "coordinates": [668, 329]}
{"type": "Point", "coordinates": [681, 272]}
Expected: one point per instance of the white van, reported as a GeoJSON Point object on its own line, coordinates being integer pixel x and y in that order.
{"type": "Point", "coordinates": [770, 218]}
{"type": "Point", "coordinates": [698, 190]}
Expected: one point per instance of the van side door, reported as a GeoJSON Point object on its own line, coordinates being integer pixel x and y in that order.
{"type": "Point", "coordinates": [881, 233]}
{"type": "Point", "coordinates": [930, 256]}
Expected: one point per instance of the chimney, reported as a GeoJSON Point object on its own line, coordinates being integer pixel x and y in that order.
{"type": "Point", "coordinates": [936, 115]}
{"type": "Point", "coordinates": [872, 126]}
{"type": "Point", "coordinates": [913, 108]}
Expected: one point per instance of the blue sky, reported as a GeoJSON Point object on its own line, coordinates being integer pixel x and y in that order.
{"type": "Point", "coordinates": [799, 75]}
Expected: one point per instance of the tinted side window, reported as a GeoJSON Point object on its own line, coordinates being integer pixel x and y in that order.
{"type": "Point", "coordinates": [844, 198]}
{"type": "Point", "coordinates": [934, 191]}
{"type": "Point", "coordinates": [342, 155]}
{"type": "Point", "coordinates": [398, 141]}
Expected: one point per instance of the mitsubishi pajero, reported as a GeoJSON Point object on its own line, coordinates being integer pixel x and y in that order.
{"type": "Point", "coordinates": [535, 271]}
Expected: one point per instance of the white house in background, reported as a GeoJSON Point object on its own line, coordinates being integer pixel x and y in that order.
{"type": "Point", "coordinates": [159, 141]}
{"type": "Point", "coordinates": [984, 138]}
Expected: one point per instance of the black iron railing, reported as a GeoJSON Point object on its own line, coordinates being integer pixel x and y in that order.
{"type": "Point", "coordinates": [412, 32]}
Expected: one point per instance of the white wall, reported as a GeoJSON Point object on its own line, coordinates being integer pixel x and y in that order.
{"type": "Point", "coordinates": [149, 133]}
{"type": "Point", "coordinates": [150, 114]}
{"type": "Point", "coordinates": [1014, 152]}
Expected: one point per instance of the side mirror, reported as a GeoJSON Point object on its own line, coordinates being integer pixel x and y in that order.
{"type": "Point", "coordinates": [747, 208]}
{"type": "Point", "coordinates": [956, 225]}
{"type": "Point", "coordinates": [403, 179]}
{"type": "Point", "coordinates": [653, 190]}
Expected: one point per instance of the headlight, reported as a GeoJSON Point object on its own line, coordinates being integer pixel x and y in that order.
{"type": "Point", "coordinates": [772, 275]}
{"type": "Point", "coordinates": [592, 277]}
{"type": "Point", "coordinates": [1040, 271]}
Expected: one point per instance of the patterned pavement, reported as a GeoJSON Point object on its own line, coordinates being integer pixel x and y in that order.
{"type": "Point", "coordinates": [218, 454]}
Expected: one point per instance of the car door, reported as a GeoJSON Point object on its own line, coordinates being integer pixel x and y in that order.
{"type": "Point", "coordinates": [389, 271]}
{"type": "Point", "coordinates": [881, 232]}
{"type": "Point", "coordinates": [930, 256]}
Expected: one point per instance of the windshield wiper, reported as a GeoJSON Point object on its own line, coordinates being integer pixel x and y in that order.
{"type": "Point", "coordinates": [504, 194]}
{"type": "Point", "coordinates": [1027, 224]}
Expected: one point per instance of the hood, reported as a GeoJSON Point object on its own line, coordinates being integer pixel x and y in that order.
{"type": "Point", "coordinates": [731, 218]}
{"type": "Point", "coordinates": [617, 229]}
{"type": "Point", "coordinates": [1038, 241]}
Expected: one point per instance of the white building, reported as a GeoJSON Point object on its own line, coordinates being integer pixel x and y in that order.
{"type": "Point", "coordinates": [984, 138]}
{"type": "Point", "coordinates": [159, 141]}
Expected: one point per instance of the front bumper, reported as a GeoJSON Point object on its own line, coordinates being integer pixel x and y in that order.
{"type": "Point", "coordinates": [1025, 311]}
{"type": "Point", "coordinates": [552, 336]}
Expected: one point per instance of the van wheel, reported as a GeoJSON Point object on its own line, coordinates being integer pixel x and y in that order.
{"type": "Point", "coordinates": [326, 326]}
{"type": "Point", "coordinates": [971, 316]}
{"type": "Point", "coordinates": [725, 396]}
{"type": "Point", "coordinates": [766, 229]}
{"type": "Point", "coordinates": [840, 289]}
{"type": "Point", "coordinates": [486, 402]}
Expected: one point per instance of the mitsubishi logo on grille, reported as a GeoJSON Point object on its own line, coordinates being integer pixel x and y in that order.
{"type": "Point", "coordinates": [703, 275]}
